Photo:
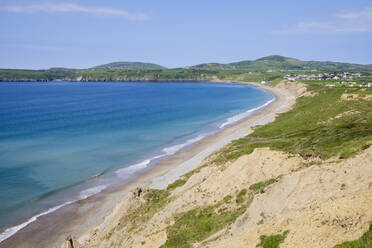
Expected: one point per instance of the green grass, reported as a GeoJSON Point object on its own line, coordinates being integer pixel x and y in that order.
{"type": "Point", "coordinates": [241, 196]}
{"type": "Point", "coordinates": [272, 241]}
{"type": "Point", "coordinates": [196, 225]}
{"type": "Point", "coordinates": [260, 186]}
{"type": "Point", "coordinates": [199, 223]}
{"type": "Point", "coordinates": [178, 183]}
{"type": "Point", "coordinates": [276, 81]}
{"type": "Point", "coordinates": [363, 242]}
{"type": "Point", "coordinates": [181, 181]}
{"type": "Point", "coordinates": [309, 129]}
{"type": "Point", "coordinates": [154, 201]}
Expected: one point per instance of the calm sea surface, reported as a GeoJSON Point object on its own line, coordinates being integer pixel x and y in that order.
{"type": "Point", "coordinates": [56, 137]}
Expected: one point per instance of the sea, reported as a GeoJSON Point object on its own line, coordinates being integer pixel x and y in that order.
{"type": "Point", "coordinates": [61, 142]}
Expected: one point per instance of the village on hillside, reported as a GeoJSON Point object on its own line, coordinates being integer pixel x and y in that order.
{"type": "Point", "coordinates": [345, 79]}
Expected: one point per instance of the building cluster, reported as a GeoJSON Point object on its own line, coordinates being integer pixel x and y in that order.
{"type": "Point", "coordinates": [337, 78]}
{"type": "Point", "coordinates": [349, 84]}
{"type": "Point", "coordinates": [324, 76]}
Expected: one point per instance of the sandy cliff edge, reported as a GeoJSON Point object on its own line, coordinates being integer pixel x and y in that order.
{"type": "Point", "coordinates": [285, 98]}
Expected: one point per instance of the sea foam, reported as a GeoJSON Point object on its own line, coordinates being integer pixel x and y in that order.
{"type": "Point", "coordinates": [243, 115]}
{"type": "Point", "coordinates": [168, 151]}
{"type": "Point", "coordinates": [130, 170]}
{"type": "Point", "coordinates": [173, 149]}
{"type": "Point", "coordinates": [12, 230]}
{"type": "Point", "coordinates": [91, 191]}
{"type": "Point", "coordinates": [83, 195]}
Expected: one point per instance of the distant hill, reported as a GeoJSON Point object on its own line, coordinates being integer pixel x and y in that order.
{"type": "Point", "coordinates": [129, 66]}
{"type": "Point", "coordinates": [276, 62]}
{"type": "Point", "coordinates": [61, 69]}
{"type": "Point", "coordinates": [212, 66]}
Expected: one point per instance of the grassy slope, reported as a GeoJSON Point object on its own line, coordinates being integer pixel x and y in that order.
{"type": "Point", "coordinates": [130, 66]}
{"type": "Point", "coordinates": [310, 129]}
{"type": "Point", "coordinates": [304, 130]}
{"type": "Point", "coordinates": [277, 62]}
{"type": "Point", "coordinates": [198, 224]}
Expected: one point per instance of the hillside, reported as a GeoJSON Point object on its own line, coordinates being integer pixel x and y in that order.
{"type": "Point", "coordinates": [138, 71]}
{"type": "Point", "coordinates": [303, 180]}
{"type": "Point", "coordinates": [212, 66]}
{"type": "Point", "coordinates": [277, 62]}
{"type": "Point", "coordinates": [129, 66]}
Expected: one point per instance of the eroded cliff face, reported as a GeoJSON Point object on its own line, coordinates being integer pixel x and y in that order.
{"type": "Point", "coordinates": [320, 205]}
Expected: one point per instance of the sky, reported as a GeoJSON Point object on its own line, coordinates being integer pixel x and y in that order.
{"type": "Point", "coordinates": [38, 34]}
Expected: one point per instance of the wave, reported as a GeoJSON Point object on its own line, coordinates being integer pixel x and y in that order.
{"type": "Point", "coordinates": [130, 170]}
{"type": "Point", "coordinates": [13, 230]}
{"type": "Point", "coordinates": [243, 115]}
{"type": "Point", "coordinates": [83, 195]}
{"type": "Point", "coordinates": [168, 151]}
{"type": "Point", "coordinates": [92, 191]}
{"type": "Point", "coordinates": [173, 149]}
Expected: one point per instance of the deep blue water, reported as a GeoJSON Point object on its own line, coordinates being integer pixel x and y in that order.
{"type": "Point", "coordinates": [55, 135]}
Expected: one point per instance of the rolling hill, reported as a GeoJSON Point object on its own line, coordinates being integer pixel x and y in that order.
{"type": "Point", "coordinates": [128, 66]}
{"type": "Point", "coordinates": [276, 63]}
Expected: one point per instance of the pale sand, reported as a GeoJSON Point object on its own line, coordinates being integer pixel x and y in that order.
{"type": "Point", "coordinates": [170, 170]}
{"type": "Point", "coordinates": [81, 218]}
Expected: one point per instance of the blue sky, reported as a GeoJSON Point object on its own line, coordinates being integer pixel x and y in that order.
{"type": "Point", "coordinates": [82, 33]}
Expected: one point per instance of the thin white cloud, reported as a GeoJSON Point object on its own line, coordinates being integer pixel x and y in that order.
{"type": "Point", "coordinates": [365, 13]}
{"type": "Point", "coordinates": [342, 23]}
{"type": "Point", "coordinates": [74, 8]}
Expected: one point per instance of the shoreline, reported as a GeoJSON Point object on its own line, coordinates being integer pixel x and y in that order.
{"type": "Point", "coordinates": [92, 213]}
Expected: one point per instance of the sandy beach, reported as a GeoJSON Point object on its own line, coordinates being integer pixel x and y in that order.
{"type": "Point", "coordinates": [81, 218]}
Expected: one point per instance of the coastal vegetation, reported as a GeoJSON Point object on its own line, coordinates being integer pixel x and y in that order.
{"type": "Point", "coordinates": [326, 124]}
{"type": "Point", "coordinates": [272, 241]}
{"type": "Point", "coordinates": [319, 127]}
{"type": "Point", "coordinates": [197, 224]}
{"type": "Point", "coordinates": [260, 186]}
{"type": "Point", "coordinates": [200, 223]}
{"type": "Point", "coordinates": [154, 201]}
{"type": "Point", "coordinates": [363, 242]}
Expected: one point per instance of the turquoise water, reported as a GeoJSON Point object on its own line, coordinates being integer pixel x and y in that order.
{"type": "Point", "coordinates": [55, 136]}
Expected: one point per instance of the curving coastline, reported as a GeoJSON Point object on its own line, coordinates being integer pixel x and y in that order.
{"type": "Point", "coordinates": [166, 171]}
